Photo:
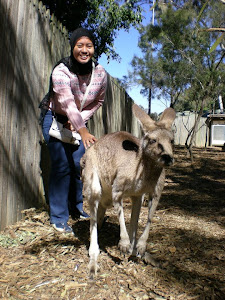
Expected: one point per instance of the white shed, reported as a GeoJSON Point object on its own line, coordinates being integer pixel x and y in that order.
{"type": "Point", "coordinates": [216, 123]}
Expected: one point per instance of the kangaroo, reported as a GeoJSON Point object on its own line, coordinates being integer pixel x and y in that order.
{"type": "Point", "coordinates": [120, 165]}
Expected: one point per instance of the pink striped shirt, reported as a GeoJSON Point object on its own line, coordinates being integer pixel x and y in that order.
{"type": "Point", "coordinates": [69, 90]}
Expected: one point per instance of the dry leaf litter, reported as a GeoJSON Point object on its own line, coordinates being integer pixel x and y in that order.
{"type": "Point", "coordinates": [186, 239]}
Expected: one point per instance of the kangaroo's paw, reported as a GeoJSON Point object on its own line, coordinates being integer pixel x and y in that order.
{"type": "Point", "coordinates": [141, 248]}
{"type": "Point", "coordinates": [93, 268]}
{"type": "Point", "coordinates": [124, 245]}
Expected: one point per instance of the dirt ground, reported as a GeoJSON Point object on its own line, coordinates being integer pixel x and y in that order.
{"type": "Point", "coordinates": [187, 238]}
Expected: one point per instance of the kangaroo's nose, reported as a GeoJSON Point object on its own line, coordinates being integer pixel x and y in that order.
{"type": "Point", "coordinates": [167, 159]}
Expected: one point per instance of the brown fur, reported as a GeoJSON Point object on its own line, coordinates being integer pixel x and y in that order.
{"type": "Point", "coordinates": [120, 165]}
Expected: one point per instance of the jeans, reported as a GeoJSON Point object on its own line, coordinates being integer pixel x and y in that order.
{"type": "Point", "coordinates": [65, 186]}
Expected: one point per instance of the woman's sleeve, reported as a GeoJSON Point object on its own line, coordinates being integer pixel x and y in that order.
{"type": "Point", "coordinates": [65, 98]}
{"type": "Point", "coordinates": [89, 110]}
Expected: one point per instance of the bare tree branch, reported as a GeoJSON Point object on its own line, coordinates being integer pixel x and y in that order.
{"type": "Point", "coordinates": [213, 29]}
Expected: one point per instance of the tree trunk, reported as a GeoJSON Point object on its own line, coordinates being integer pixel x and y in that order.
{"type": "Point", "coordinates": [150, 97]}
{"type": "Point", "coordinates": [193, 131]}
{"type": "Point", "coordinates": [193, 135]}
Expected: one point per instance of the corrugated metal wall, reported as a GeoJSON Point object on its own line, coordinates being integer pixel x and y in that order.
{"type": "Point", "coordinates": [183, 123]}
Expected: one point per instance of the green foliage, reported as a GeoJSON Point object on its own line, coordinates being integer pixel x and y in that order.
{"type": "Point", "coordinates": [217, 42]}
{"type": "Point", "coordinates": [70, 13]}
{"type": "Point", "coordinates": [176, 63]}
{"type": "Point", "coordinates": [22, 237]}
{"type": "Point", "coordinates": [105, 18]}
{"type": "Point", "coordinates": [6, 241]}
{"type": "Point", "coordinates": [111, 17]}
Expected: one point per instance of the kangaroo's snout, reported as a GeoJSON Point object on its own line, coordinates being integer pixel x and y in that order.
{"type": "Point", "coordinates": [167, 159]}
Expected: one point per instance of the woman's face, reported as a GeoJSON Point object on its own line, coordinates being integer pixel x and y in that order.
{"type": "Point", "coordinates": [83, 50]}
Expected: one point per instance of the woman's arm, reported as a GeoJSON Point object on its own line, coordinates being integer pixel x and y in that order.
{"type": "Point", "coordinates": [90, 109]}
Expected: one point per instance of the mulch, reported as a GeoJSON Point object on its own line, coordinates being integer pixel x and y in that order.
{"type": "Point", "coordinates": [187, 239]}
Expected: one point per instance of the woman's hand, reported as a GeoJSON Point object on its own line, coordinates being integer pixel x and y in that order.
{"type": "Point", "coordinates": [87, 138]}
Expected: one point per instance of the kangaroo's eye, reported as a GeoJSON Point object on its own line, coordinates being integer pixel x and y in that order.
{"type": "Point", "coordinates": [152, 141]}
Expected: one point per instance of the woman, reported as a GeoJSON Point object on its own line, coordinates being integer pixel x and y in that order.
{"type": "Point", "coordinates": [68, 83]}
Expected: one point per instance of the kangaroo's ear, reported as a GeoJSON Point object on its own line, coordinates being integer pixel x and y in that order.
{"type": "Point", "coordinates": [146, 122]}
{"type": "Point", "coordinates": [167, 117]}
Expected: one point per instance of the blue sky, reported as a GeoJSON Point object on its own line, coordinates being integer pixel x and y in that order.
{"type": "Point", "coordinates": [126, 45]}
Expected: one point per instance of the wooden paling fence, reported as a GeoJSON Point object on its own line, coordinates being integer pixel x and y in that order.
{"type": "Point", "coordinates": [31, 42]}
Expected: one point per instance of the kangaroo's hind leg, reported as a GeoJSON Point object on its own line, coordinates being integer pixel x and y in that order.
{"type": "Point", "coordinates": [94, 247]}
